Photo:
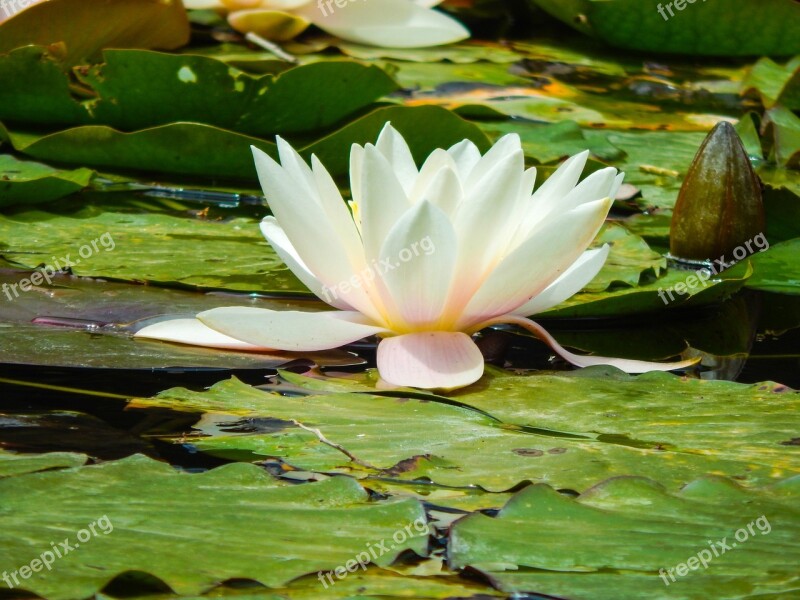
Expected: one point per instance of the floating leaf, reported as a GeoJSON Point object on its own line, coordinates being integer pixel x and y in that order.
{"type": "Point", "coordinates": [628, 261]}
{"type": "Point", "coordinates": [262, 530]}
{"type": "Point", "coordinates": [770, 27]}
{"type": "Point", "coordinates": [19, 464]}
{"type": "Point", "coordinates": [477, 449]}
{"type": "Point", "coordinates": [29, 182]}
{"type": "Point", "coordinates": [206, 151]}
{"type": "Point", "coordinates": [777, 269]}
{"type": "Point", "coordinates": [120, 93]}
{"type": "Point", "coordinates": [774, 83]}
{"type": "Point", "coordinates": [640, 534]}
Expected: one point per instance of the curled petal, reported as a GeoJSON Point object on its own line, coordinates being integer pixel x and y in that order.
{"type": "Point", "coordinates": [289, 330]}
{"type": "Point", "coordinates": [624, 364]}
{"type": "Point", "coordinates": [430, 360]}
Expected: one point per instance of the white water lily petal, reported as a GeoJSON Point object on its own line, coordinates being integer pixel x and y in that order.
{"type": "Point", "coordinates": [422, 250]}
{"type": "Point", "coordinates": [311, 233]}
{"type": "Point", "coordinates": [340, 218]}
{"type": "Point", "coordinates": [436, 162]}
{"type": "Point", "coordinates": [547, 199]}
{"type": "Point", "coordinates": [536, 263]}
{"type": "Point", "coordinates": [466, 155]}
{"type": "Point", "coordinates": [193, 332]}
{"type": "Point", "coordinates": [430, 360]}
{"type": "Point", "coordinates": [383, 201]}
{"type": "Point", "coordinates": [482, 219]}
{"type": "Point", "coordinates": [289, 330]}
{"type": "Point", "coordinates": [444, 191]}
{"type": "Point", "coordinates": [572, 281]}
{"type": "Point", "coordinates": [385, 23]}
{"type": "Point", "coordinates": [596, 186]}
{"type": "Point", "coordinates": [276, 237]}
{"type": "Point", "coordinates": [284, 4]}
{"type": "Point", "coordinates": [506, 146]}
{"type": "Point", "coordinates": [356, 170]}
{"type": "Point", "coordinates": [395, 148]}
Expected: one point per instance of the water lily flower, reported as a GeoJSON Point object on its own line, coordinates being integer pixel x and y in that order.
{"type": "Point", "coordinates": [423, 258]}
{"type": "Point", "coordinates": [386, 23]}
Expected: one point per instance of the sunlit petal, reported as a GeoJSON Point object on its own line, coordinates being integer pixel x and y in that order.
{"type": "Point", "coordinates": [289, 330]}
{"type": "Point", "coordinates": [430, 360]}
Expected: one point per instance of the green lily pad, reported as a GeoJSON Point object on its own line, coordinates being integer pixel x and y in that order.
{"type": "Point", "coordinates": [152, 517]}
{"type": "Point", "coordinates": [200, 89]}
{"type": "Point", "coordinates": [777, 269]}
{"type": "Point", "coordinates": [371, 435]}
{"type": "Point", "coordinates": [770, 27]}
{"type": "Point", "coordinates": [147, 247]}
{"type": "Point", "coordinates": [19, 464]}
{"type": "Point", "coordinates": [23, 181]}
{"type": "Point", "coordinates": [631, 538]}
{"type": "Point", "coordinates": [556, 141]}
{"type": "Point", "coordinates": [775, 83]}
{"type": "Point", "coordinates": [629, 260]}
{"type": "Point", "coordinates": [207, 151]}
{"type": "Point", "coordinates": [675, 289]}
{"type": "Point", "coordinates": [785, 127]}
{"type": "Point", "coordinates": [461, 53]}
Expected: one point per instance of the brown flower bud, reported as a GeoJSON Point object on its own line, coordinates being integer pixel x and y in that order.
{"type": "Point", "coordinates": [719, 206]}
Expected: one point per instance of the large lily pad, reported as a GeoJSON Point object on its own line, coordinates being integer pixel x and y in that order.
{"type": "Point", "coordinates": [200, 89]}
{"type": "Point", "coordinates": [474, 448]}
{"type": "Point", "coordinates": [19, 464]}
{"type": "Point", "coordinates": [207, 151]}
{"type": "Point", "coordinates": [156, 517]}
{"type": "Point", "coordinates": [712, 539]}
{"type": "Point", "coordinates": [770, 27]}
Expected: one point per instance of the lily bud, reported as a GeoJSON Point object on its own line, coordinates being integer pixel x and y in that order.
{"type": "Point", "coordinates": [719, 206]}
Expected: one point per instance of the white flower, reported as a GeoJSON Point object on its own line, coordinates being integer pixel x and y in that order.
{"type": "Point", "coordinates": [386, 23]}
{"type": "Point", "coordinates": [427, 257]}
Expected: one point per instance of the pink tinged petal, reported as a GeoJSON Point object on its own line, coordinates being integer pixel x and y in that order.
{"type": "Point", "coordinates": [422, 249]}
{"type": "Point", "coordinates": [386, 23]}
{"type": "Point", "coordinates": [536, 263]}
{"type": "Point", "coordinates": [307, 226]}
{"type": "Point", "coordinates": [466, 155]}
{"type": "Point", "coordinates": [430, 360]}
{"type": "Point", "coordinates": [283, 247]}
{"type": "Point", "coordinates": [394, 147]}
{"type": "Point", "coordinates": [289, 330]}
{"type": "Point", "coordinates": [572, 281]}
{"type": "Point", "coordinates": [383, 201]}
{"type": "Point", "coordinates": [194, 333]}
{"type": "Point", "coordinates": [625, 364]}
